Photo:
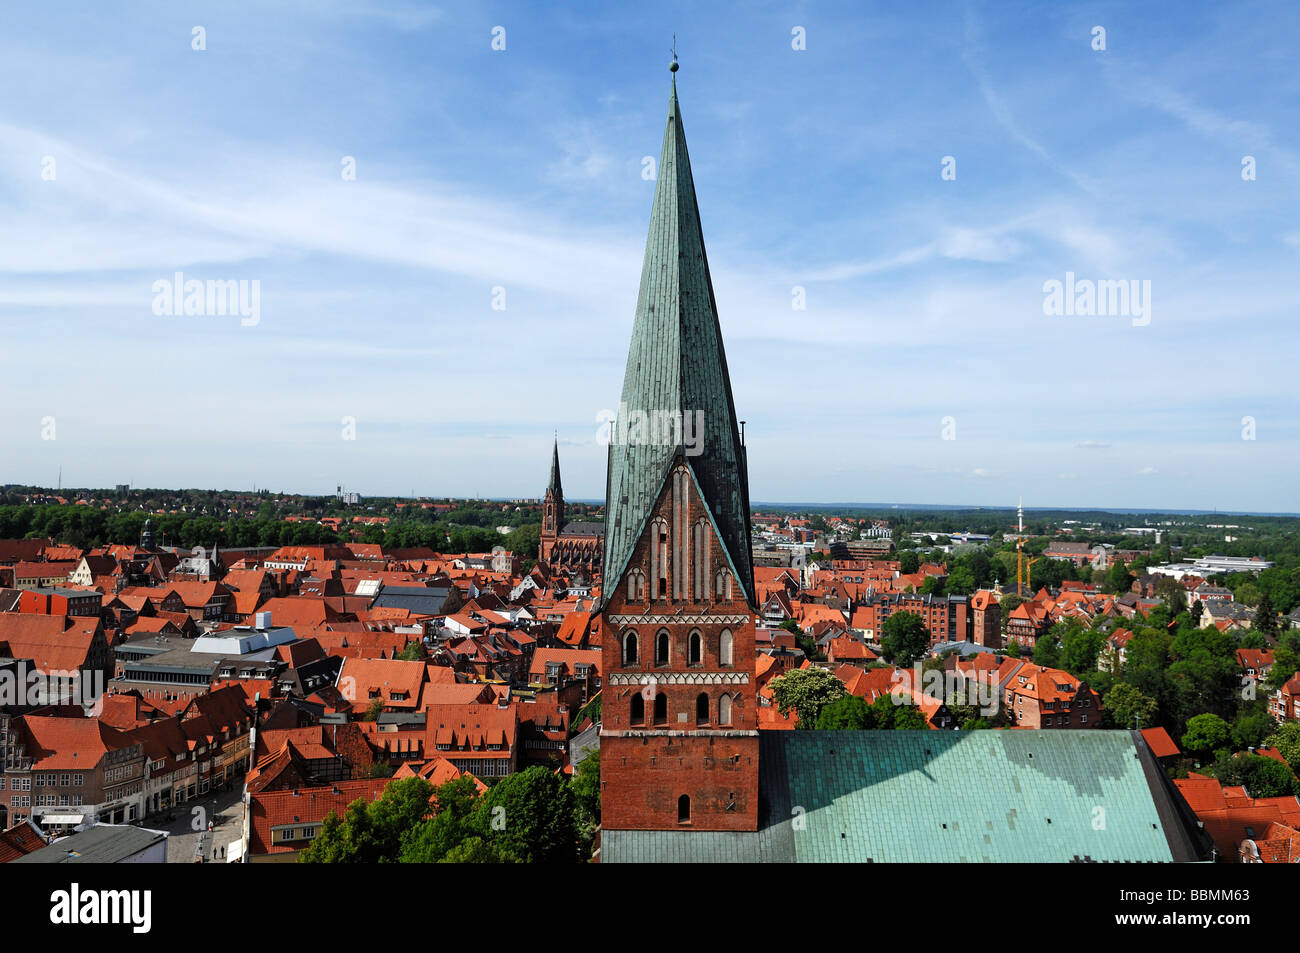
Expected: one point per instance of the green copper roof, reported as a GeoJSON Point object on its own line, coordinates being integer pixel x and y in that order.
{"type": "Point", "coordinates": [554, 485]}
{"type": "Point", "coordinates": [676, 365]}
{"type": "Point", "coordinates": [941, 797]}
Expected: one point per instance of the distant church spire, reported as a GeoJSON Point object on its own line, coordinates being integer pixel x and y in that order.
{"type": "Point", "coordinates": [553, 504]}
{"type": "Point", "coordinates": [554, 485]}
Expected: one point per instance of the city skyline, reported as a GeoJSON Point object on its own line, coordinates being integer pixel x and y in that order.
{"type": "Point", "coordinates": [521, 183]}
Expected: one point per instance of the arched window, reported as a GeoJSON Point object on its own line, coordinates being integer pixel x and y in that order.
{"type": "Point", "coordinates": [702, 709]}
{"type": "Point", "coordinates": [700, 559]}
{"type": "Point", "coordinates": [696, 649]}
{"type": "Point", "coordinates": [661, 709]}
{"type": "Point", "coordinates": [684, 809]}
{"type": "Point", "coordinates": [661, 647]}
{"type": "Point", "coordinates": [635, 586]}
{"type": "Point", "coordinates": [638, 709]}
{"type": "Point", "coordinates": [724, 648]}
{"type": "Point", "coordinates": [659, 560]}
{"type": "Point", "coordinates": [722, 585]}
{"type": "Point", "coordinates": [630, 656]}
{"type": "Point", "coordinates": [724, 710]}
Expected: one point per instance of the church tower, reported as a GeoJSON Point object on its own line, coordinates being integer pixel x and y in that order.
{"type": "Point", "coordinates": [552, 507]}
{"type": "Point", "coordinates": [679, 734]}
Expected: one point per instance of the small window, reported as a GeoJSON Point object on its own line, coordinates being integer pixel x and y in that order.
{"type": "Point", "coordinates": [629, 649]}
{"type": "Point", "coordinates": [684, 809]}
{"type": "Point", "coordinates": [638, 709]}
{"type": "Point", "coordinates": [661, 647]}
{"type": "Point", "coordinates": [702, 709]}
{"type": "Point", "coordinates": [661, 709]}
{"type": "Point", "coordinates": [697, 649]}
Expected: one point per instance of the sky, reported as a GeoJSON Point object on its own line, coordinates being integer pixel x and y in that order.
{"type": "Point", "coordinates": [446, 240]}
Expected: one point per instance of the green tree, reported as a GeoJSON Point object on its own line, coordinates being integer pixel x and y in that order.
{"type": "Point", "coordinates": [1128, 706]}
{"type": "Point", "coordinates": [530, 816]}
{"type": "Point", "coordinates": [586, 799]}
{"type": "Point", "coordinates": [1206, 733]}
{"type": "Point", "coordinates": [1261, 777]}
{"type": "Point", "coordinates": [1265, 621]}
{"type": "Point", "coordinates": [454, 820]}
{"type": "Point", "coordinates": [414, 652]}
{"type": "Point", "coordinates": [1252, 726]}
{"type": "Point", "coordinates": [904, 638]}
{"type": "Point", "coordinates": [1118, 579]}
{"type": "Point", "coordinates": [475, 850]}
{"type": "Point", "coordinates": [1286, 739]}
{"type": "Point", "coordinates": [806, 691]}
{"type": "Point", "coordinates": [372, 833]}
{"type": "Point", "coordinates": [909, 718]}
{"type": "Point", "coordinates": [961, 581]}
{"type": "Point", "coordinates": [849, 712]}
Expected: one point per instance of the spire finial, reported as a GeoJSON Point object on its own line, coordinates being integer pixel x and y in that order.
{"type": "Point", "coordinates": [673, 65]}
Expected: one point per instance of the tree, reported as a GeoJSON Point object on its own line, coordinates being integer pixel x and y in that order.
{"type": "Point", "coordinates": [1171, 591]}
{"type": "Point", "coordinates": [1252, 726]}
{"type": "Point", "coordinates": [414, 652]}
{"type": "Point", "coordinates": [530, 816]}
{"type": "Point", "coordinates": [849, 712]}
{"type": "Point", "coordinates": [1261, 777]}
{"type": "Point", "coordinates": [961, 581]}
{"type": "Point", "coordinates": [1265, 621]}
{"type": "Point", "coordinates": [909, 718]}
{"type": "Point", "coordinates": [908, 562]}
{"type": "Point", "coordinates": [1206, 733]}
{"type": "Point", "coordinates": [454, 820]}
{"type": "Point", "coordinates": [373, 832]}
{"type": "Point", "coordinates": [1129, 707]}
{"type": "Point", "coordinates": [806, 691]}
{"type": "Point", "coordinates": [1287, 741]}
{"type": "Point", "coordinates": [1117, 579]}
{"type": "Point", "coordinates": [904, 638]}
{"type": "Point", "coordinates": [586, 799]}
{"type": "Point", "coordinates": [475, 850]}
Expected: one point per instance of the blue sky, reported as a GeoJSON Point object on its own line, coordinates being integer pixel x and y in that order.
{"type": "Point", "coordinates": [522, 169]}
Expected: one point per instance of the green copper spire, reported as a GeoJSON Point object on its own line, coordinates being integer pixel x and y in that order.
{"type": "Point", "coordinates": [676, 366]}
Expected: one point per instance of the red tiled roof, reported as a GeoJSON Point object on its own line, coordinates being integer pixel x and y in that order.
{"type": "Point", "coordinates": [1158, 740]}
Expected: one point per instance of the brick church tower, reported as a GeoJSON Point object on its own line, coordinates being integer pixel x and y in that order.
{"type": "Point", "coordinates": [679, 734]}
{"type": "Point", "coordinates": [552, 507]}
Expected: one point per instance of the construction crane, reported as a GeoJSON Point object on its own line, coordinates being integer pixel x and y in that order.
{"type": "Point", "coordinates": [1029, 567]}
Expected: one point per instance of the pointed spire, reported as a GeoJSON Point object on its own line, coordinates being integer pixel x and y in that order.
{"type": "Point", "coordinates": [677, 365]}
{"type": "Point", "coordinates": [554, 485]}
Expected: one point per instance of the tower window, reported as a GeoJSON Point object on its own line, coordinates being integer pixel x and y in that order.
{"type": "Point", "coordinates": [724, 710]}
{"type": "Point", "coordinates": [638, 709]}
{"type": "Point", "coordinates": [684, 809]}
{"type": "Point", "coordinates": [661, 647]}
{"type": "Point", "coordinates": [630, 656]}
{"type": "Point", "coordinates": [661, 709]}
{"type": "Point", "coordinates": [725, 648]}
{"type": "Point", "coordinates": [696, 649]}
{"type": "Point", "coordinates": [702, 709]}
